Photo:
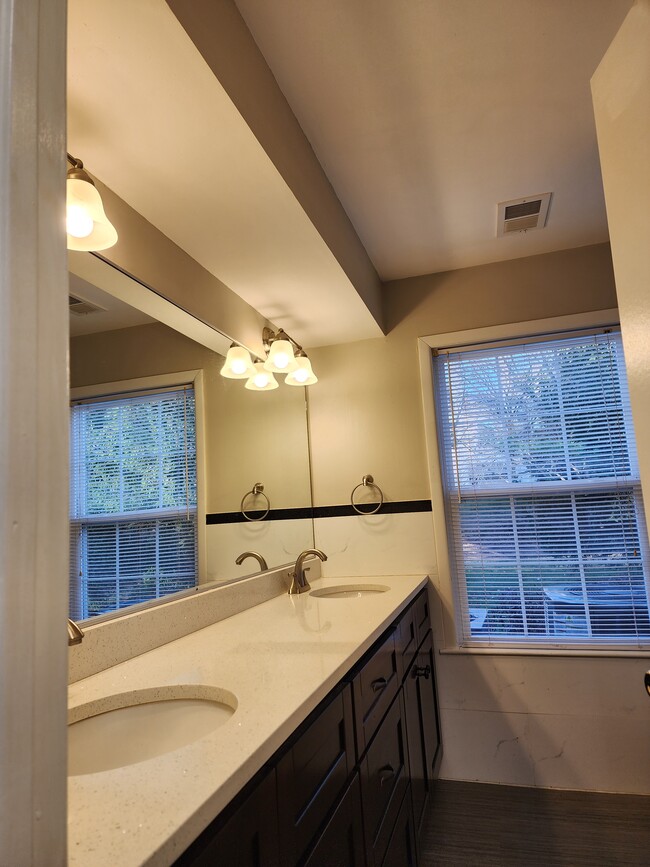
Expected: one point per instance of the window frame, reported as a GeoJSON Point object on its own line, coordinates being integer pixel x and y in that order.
{"type": "Point", "coordinates": [162, 381]}
{"type": "Point", "coordinates": [448, 640]}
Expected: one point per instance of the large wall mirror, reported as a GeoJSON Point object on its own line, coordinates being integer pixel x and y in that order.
{"type": "Point", "coordinates": [169, 458]}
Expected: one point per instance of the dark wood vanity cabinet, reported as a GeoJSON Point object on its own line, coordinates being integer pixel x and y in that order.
{"type": "Point", "coordinates": [349, 788]}
{"type": "Point", "coordinates": [422, 726]}
{"type": "Point", "coordinates": [341, 843]}
{"type": "Point", "coordinates": [313, 773]}
{"type": "Point", "coordinates": [402, 849]}
{"type": "Point", "coordinates": [244, 835]}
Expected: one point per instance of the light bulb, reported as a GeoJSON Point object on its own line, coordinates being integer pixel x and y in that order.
{"type": "Point", "coordinates": [79, 223]}
{"type": "Point", "coordinates": [260, 379]}
{"type": "Point", "coordinates": [238, 366]}
{"type": "Point", "coordinates": [301, 375]}
{"type": "Point", "coordinates": [281, 360]}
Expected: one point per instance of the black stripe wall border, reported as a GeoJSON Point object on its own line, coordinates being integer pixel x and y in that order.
{"type": "Point", "coordinates": [344, 511]}
{"type": "Point", "coordinates": [399, 508]}
{"type": "Point", "coordinates": [273, 515]}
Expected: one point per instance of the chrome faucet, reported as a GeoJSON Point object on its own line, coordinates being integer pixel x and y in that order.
{"type": "Point", "coordinates": [75, 633]}
{"type": "Point", "coordinates": [299, 583]}
{"type": "Point", "coordinates": [256, 556]}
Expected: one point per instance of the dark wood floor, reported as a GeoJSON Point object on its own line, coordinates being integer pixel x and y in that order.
{"type": "Point", "coordinates": [472, 824]}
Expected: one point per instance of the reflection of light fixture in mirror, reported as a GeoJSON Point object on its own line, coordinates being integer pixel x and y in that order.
{"type": "Point", "coordinates": [87, 226]}
{"type": "Point", "coordinates": [261, 379]}
{"type": "Point", "coordinates": [280, 349]}
{"type": "Point", "coordinates": [303, 374]}
{"type": "Point", "coordinates": [238, 363]}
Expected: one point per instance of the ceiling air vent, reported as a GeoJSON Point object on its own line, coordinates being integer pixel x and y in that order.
{"type": "Point", "coordinates": [80, 307]}
{"type": "Point", "coordinates": [521, 215]}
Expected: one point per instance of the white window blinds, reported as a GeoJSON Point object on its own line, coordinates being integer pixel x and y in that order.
{"type": "Point", "coordinates": [133, 500]}
{"type": "Point", "coordinates": [543, 502]}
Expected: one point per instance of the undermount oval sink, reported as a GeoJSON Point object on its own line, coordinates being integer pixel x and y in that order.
{"type": "Point", "coordinates": [131, 727]}
{"type": "Point", "coordinates": [348, 591]}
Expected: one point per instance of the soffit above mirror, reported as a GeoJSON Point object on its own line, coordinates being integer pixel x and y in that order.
{"type": "Point", "coordinates": [150, 120]}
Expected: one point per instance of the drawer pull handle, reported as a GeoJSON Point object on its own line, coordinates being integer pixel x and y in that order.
{"type": "Point", "coordinates": [386, 773]}
{"type": "Point", "coordinates": [379, 684]}
{"type": "Point", "coordinates": [422, 671]}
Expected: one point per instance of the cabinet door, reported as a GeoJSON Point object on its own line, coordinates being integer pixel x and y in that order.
{"type": "Point", "coordinates": [401, 850]}
{"type": "Point", "coordinates": [341, 843]}
{"type": "Point", "coordinates": [421, 726]}
{"type": "Point", "coordinates": [248, 838]}
{"type": "Point", "coordinates": [428, 707]}
{"type": "Point", "coordinates": [313, 773]}
{"type": "Point", "coordinates": [384, 781]}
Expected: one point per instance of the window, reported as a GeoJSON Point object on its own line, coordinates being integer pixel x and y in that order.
{"type": "Point", "coordinates": [133, 499]}
{"type": "Point", "coordinates": [542, 494]}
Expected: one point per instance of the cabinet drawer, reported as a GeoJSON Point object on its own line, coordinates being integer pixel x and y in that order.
{"type": "Point", "coordinates": [406, 640]}
{"type": "Point", "coordinates": [340, 844]}
{"type": "Point", "coordinates": [384, 781]}
{"type": "Point", "coordinates": [313, 773]}
{"type": "Point", "coordinates": [375, 686]}
{"type": "Point", "coordinates": [421, 613]}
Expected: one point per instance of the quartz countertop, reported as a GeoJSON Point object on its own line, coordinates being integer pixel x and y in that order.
{"type": "Point", "coordinates": [279, 659]}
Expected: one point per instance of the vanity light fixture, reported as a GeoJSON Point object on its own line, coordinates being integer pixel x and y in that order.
{"type": "Point", "coordinates": [261, 379]}
{"type": "Point", "coordinates": [287, 356]}
{"type": "Point", "coordinates": [88, 228]}
{"type": "Point", "coordinates": [238, 363]}
{"type": "Point", "coordinates": [284, 356]}
{"type": "Point", "coordinates": [280, 352]}
{"type": "Point", "coordinates": [303, 374]}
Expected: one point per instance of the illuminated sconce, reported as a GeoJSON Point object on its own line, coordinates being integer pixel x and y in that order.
{"type": "Point", "coordinates": [280, 358]}
{"type": "Point", "coordinates": [303, 374]}
{"type": "Point", "coordinates": [284, 356]}
{"type": "Point", "coordinates": [238, 363]}
{"type": "Point", "coordinates": [87, 226]}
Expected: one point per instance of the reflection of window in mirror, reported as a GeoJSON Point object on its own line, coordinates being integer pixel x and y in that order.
{"type": "Point", "coordinates": [134, 534]}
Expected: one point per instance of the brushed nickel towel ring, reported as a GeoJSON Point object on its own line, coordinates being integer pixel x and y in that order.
{"type": "Point", "coordinates": [367, 482]}
{"type": "Point", "coordinates": [256, 490]}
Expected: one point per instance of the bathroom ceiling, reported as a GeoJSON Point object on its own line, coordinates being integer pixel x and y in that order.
{"type": "Point", "coordinates": [426, 113]}
{"type": "Point", "coordinates": [111, 315]}
{"type": "Point", "coordinates": [423, 114]}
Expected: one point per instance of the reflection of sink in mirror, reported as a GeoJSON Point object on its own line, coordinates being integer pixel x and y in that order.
{"type": "Point", "coordinates": [348, 591]}
{"type": "Point", "coordinates": [131, 727]}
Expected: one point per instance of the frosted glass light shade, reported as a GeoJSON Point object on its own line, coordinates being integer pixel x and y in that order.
{"type": "Point", "coordinates": [238, 364]}
{"type": "Point", "coordinates": [261, 379]}
{"type": "Point", "coordinates": [281, 358]}
{"type": "Point", "coordinates": [87, 226]}
{"type": "Point", "coordinates": [303, 374]}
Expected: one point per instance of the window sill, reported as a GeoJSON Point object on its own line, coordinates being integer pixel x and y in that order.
{"type": "Point", "coordinates": [605, 653]}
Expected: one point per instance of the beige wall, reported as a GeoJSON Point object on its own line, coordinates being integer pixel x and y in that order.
{"type": "Point", "coordinates": [250, 436]}
{"type": "Point", "coordinates": [533, 720]}
{"type": "Point", "coordinates": [621, 95]}
{"type": "Point", "coordinates": [366, 411]}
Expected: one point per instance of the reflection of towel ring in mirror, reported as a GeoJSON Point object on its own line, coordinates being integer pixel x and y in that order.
{"type": "Point", "coordinates": [367, 482]}
{"type": "Point", "coordinates": [257, 489]}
